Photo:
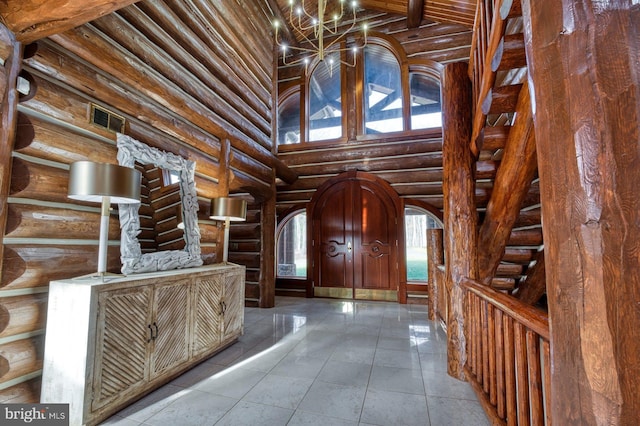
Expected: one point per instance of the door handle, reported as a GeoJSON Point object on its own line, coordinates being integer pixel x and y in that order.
{"type": "Point", "coordinates": [349, 246]}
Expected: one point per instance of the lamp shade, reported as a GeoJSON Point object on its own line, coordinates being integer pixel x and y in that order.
{"type": "Point", "coordinates": [89, 181]}
{"type": "Point", "coordinates": [226, 208]}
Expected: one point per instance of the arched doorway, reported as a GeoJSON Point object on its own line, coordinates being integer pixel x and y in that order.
{"type": "Point", "coordinates": [354, 238]}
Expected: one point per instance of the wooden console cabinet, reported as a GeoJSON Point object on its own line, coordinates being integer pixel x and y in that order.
{"type": "Point", "coordinates": [108, 343]}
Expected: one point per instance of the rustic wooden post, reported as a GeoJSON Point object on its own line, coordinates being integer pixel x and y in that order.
{"type": "Point", "coordinates": [268, 251]}
{"type": "Point", "coordinates": [435, 257]}
{"type": "Point", "coordinates": [460, 221]}
{"type": "Point", "coordinates": [583, 73]}
{"type": "Point", "coordinates": [9, 95]}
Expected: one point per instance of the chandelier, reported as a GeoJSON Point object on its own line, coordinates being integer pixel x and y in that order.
{"type": "Point", "coordinates": [305, 23]}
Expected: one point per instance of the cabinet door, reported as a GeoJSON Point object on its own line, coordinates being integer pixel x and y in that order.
{"type": "Point", "coordinates": [121, 344]}
{"type": "Point", "coordinates": [207, 319]}
{"type": "Point", "coordinates": [233, 303]}
{"type": "Point", "coordinates": [170, 325]}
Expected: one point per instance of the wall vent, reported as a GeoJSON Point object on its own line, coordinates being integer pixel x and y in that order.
{"type": "Point", "coordinates": [104, 118]}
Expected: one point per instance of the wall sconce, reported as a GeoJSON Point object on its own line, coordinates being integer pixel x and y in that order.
{"type": "Point", "coordinates": [228, 209]}
{"type": "Point", "coordinates": [104, 183]}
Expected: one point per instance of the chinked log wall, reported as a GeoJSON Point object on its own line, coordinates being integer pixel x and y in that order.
{"type": "Point", "coordinates": [49, 237]}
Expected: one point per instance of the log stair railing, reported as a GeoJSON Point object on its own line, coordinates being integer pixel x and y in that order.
{"type": "Point", "coordinates": [508, 356]}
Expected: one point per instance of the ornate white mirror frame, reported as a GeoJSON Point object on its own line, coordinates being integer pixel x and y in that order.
{"type": "Point", "coordinates": [133, 260]}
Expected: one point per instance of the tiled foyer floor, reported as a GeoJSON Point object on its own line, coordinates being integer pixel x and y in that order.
{"type": "Point", "coordinates": [319, 362]}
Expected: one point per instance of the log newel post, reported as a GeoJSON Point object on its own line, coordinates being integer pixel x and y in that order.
{"type": "Point", "coordinates": [435, 257]}
{"type": "Point", "coordinates": [268, 251]}
{"type": "Point", "coordinates": [460, 219]}
{"type": "Point", "coordinates": [584, 80]}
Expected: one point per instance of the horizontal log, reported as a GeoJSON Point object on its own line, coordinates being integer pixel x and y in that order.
{"type": "Point", "coordinates": [173, 235]}
{"type": "Point", "coordinates": [376, 164]}
{"type": "Point", "coordinates": [164, 27]}
{"type": "Point", "coordinates": [23, 393]}
{"type": "Point", "coordinates": [209, 232]}
{"type": "Point", "coordinates": [85, 40]}
{"type": "Point", "coordinates": [71, 108]}
{"type": "Point", "coordinates": [231, 108]}
{"type": "Point", "coordinates": [38, 138]}
{"type": "Point", "coordinates": [55, 101]}
{"type": "Point", "coordinates": [21, 357]}
{"type": "Point", "coordinates": [253, 275]}
{"type": "Point", "coordinates": [456, 54]}
{"type": "Point", "coordinates": [245, 246]}
{"type": "Point", "coordinates": [251, 290]}
{"type": "Point", "coordinates": [443, 43]}
{"type": "Point", "coordinates": [244, 231]}
{"type": "Point", "coordinates": [248, 46]}
{"type": "Point", "coordinates": [169, 32]}
{"type": "Point", "coordinates": [37, 265]}
{"type": "Point", "coordinates": [34, 221]}
{"type": "Point", "coordinates": [39, 182]}
{"type": "Point", "coordinates": [250, 260]}
{"type": "Point", "coordinates": [22, 314]}
{"type": "Point", "coordinates": [363, 151]}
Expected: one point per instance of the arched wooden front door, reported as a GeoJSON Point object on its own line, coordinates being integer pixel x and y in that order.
{"type": "Point", "coordinates": [354, 226]}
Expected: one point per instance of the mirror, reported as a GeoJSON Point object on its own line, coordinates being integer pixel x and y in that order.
{"type": "Point", "coordinates": [134, 261]}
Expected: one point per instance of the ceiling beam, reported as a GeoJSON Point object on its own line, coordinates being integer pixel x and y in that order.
{"type": "Point", "coordinates": [415, 10]}
{"type": "Point", "coordinates": [31, 20]}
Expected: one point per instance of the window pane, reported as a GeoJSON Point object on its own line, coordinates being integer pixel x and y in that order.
{"type": "Point", "coordinates": [416, 223]}
{"type": "Point", "coordinates": [289, 120]}
{"type": "Point", "coordinates": [292, 247]}
{"type": "Point", "coordinates": [425, 102]}
{"type": "Point", "coordinates": [383, 91]}
{"type": "Point", "coordinates": [325, 105]}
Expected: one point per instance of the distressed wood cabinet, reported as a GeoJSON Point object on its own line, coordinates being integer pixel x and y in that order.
{"type": "Point", "coordinates": [109, 343]}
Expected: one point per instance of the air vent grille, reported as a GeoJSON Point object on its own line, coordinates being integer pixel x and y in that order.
{"type": "Point", "coordinates": [106, 119]}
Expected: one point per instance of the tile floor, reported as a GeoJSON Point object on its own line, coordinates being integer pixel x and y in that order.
{"type": "Point", "coordinates": [319, 362]}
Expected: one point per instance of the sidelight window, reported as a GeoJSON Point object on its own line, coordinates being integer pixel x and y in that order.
{"type": "Point", "coordinates": [416, 223]}
{"type": "Point", "coordinates": [292, 246]}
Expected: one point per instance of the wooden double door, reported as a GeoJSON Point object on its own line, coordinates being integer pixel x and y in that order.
{"type": "Point", "coordinates": [355, 238]}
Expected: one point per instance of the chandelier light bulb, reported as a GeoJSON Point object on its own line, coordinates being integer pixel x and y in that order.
{"type": "Point", "coordinates": [318, 33]}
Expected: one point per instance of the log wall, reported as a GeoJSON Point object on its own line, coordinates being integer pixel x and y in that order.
{"type": "Point", "coordinates": [184, 75]}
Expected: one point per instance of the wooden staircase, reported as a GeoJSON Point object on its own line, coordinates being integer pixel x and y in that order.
{"type": "Point", "coordinates": [510, 232]}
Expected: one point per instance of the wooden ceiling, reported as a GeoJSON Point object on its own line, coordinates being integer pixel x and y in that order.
{"type": "Point", "coordinates": [444, 11]}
